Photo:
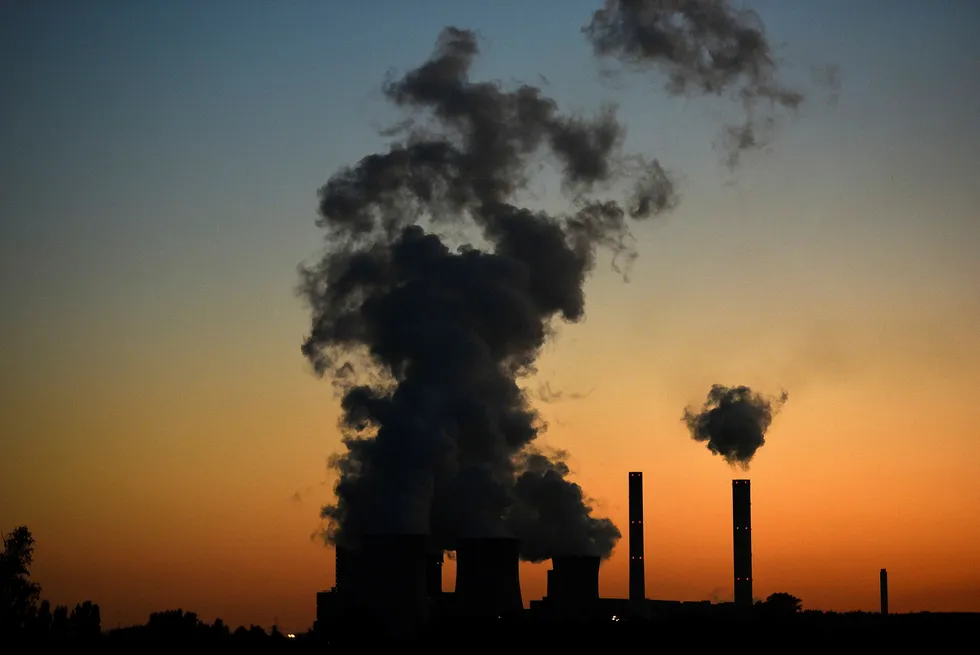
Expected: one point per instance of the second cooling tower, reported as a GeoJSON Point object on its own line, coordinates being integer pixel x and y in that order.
{"type": "Point", "coordinates": [573, 586]}
{"type": "Point", "coordinates": [488, 577]}
{"type": "Point", "coordinates": [574, 580]}
{"type": "Point", "coordinates": [742, 541]}
{"type": "Point", "coordinates": [391, 581]}
{"type": "Point", "coordinates": [345, 570]}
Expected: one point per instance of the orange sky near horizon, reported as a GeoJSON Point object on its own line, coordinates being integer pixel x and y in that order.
{"type": "Point", "coordinates": [856, 475]}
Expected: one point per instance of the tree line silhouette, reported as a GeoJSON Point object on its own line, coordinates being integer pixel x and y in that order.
{"type": "Point", "coordinates": [21, 613]}
{"type": "Point", "coordinates": [25, 617]}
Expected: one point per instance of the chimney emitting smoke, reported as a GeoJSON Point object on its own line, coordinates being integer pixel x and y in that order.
{"type": "Point", "coordinates": [742, 541]}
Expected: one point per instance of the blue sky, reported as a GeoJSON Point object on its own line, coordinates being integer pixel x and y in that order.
{"type": "Point", "coordinates": [139, 134]}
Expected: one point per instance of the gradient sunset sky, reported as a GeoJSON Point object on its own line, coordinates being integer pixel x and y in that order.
{"type": "Point", "coordinates": [166, 442]}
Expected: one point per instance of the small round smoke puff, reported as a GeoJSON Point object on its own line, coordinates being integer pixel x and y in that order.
{"type": "Point", "coordinates": [733, 422]}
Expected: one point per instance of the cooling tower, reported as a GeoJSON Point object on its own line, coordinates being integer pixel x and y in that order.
{"type": "Point", "coordinates": [433, 573]}
{"type": "Point", "coordinates": [637, 571]}
{"type": "Point", "coordinates": [391, 580]}
{"type": "Point", "coordinates": [742, 540]}
{"type": "Point", "coordinates": [574, 580]}
{"type": "Point", "coordinates": [345, 568]}
{"type": "Point", "coordinates": [487, 577]}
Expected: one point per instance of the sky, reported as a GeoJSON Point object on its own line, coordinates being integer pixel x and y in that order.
{"type": "Point", "coordinates": [166, 442]}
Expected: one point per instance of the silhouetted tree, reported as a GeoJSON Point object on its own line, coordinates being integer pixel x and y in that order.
{"type": "Point", "coordinates": [42, 621]}
{"type": "Point", "coordinates": [219, 630]}
{"type": "Point", "coordinates": [85, 621]}
{"type": "Point", "coordinates": [782, 604]}
{"type": "Point", "coordinates": [18, 595]}
{"type": "Point", "coordinates": [59, 622]}
{"type": "Point", "coordinates": [175, 625]}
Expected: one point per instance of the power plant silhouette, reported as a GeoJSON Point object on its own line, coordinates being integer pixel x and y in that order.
{"type": "Point", "coordinates": [394, 581]}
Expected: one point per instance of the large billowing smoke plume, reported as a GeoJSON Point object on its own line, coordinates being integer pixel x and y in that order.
{"type": "Point", "coordinates": [733, 422]}
{"type": "Point", "coordinates": [440, 439]}
{"type": "Point", "coordinates": [702, 46]}
{"type": "Point", "coordinates": [428, 341]}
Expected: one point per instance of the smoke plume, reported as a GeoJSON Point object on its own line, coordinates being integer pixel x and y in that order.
{"type": "Point", "coordinates": [733, 422]}
{"type": "Point", "coordinates": [427, 338]}
{"type": "Point", "coordinates": [428, 342]}
{"type": "Point", "coordinates": [703, 47]}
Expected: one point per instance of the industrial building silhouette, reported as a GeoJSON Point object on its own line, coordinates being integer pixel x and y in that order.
{"type": "Point", "coordinates": [394, 581]}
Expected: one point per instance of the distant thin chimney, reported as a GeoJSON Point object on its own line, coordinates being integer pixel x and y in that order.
{"type": "Point", "coordinates": [637, 573]}
{"type": "Point", "coordinates": [883, 583]}
{"type": "Point", "coordinates": [742, 541]}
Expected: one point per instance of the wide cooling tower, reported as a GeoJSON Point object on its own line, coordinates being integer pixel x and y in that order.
{"type": "Point", "coordinates": [391, 580]}
{"type": "Point", "coordinates": [433, 573]}
{"type": "Point", "coordinates": [345, 570]}
{"type": "Point", "coordinates": [573, 585]}
{"type": "Point", "coordinates": [488, 577]}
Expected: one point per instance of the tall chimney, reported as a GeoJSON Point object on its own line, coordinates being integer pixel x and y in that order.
{"type": "Point", "coordinates": [883, 583]}
{"type": "Point", "coordinates": [637, 575]}
{"type": "Point", "coordinates": [742, 538]}
{"type": "Point", "coordinates": [488, 579]}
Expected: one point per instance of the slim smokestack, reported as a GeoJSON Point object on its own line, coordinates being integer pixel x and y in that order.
{"type": "Point", "coordinates": [742, 538]}
{"type": "Point", "coordinates": [488, 576]}
{"type": "Point", "coordinates": [884, 591]}
{"type": "Point", "coordinates": [637, 574]}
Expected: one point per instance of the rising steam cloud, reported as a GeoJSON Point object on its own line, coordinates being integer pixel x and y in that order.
{"type": "Point", "coordinates": [733, 422]}
{"type": "Point", "coordinates": [703, 47]}
{"type": "Point", "coordinates": [428, 340]}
